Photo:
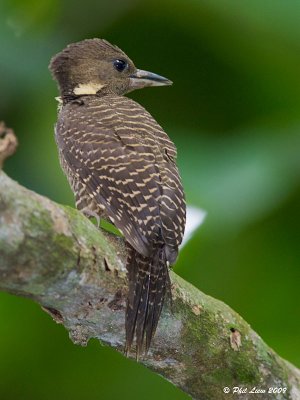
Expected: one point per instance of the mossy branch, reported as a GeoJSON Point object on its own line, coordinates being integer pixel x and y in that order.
{"type": "Point", "coordinates": [76, 272]}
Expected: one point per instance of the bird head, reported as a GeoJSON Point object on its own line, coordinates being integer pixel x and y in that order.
{"type": "Point", "coordinates": [96, 67]}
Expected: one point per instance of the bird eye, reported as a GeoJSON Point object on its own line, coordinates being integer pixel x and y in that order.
{"type": "Point", "coordinates": [120, 65]}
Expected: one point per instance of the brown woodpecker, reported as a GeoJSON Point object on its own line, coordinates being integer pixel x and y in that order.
{"type": "Point", "coordinates": [121, 166]}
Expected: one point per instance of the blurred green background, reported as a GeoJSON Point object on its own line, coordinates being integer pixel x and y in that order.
{"type": "Point", "coordinates": [234, 113]}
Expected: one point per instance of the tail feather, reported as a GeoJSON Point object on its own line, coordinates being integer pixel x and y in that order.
{"type": "Point", "coordinates": [148, 284]}
{"type": "Point", "coordinates": [155, 304]}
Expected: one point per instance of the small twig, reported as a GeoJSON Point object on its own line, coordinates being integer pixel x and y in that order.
{"type": "Point", "coordinates": [8, 143]}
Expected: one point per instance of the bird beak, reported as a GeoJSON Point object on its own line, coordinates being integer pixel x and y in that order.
{"type": "Point", "coordinates": [142, 78]}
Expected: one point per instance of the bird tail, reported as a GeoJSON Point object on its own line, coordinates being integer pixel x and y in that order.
{"type": "Point", "coordinates": [148, 283]}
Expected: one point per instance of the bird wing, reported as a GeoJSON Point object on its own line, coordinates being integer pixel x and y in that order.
{"type": "Point", "coordinates": [120, 165]}
{"type": "Point", "coordinates": [172, 207]}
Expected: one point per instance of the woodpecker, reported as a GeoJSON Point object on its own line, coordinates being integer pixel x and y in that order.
{"type": "Point", "coordinates": [121, 166]}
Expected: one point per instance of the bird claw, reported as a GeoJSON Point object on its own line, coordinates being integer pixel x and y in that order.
{"type": "Point", "coordinates": [91, 214]}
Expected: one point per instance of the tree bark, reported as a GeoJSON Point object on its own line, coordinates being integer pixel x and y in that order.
{"type": "Point", "coordinates": [76, 272]}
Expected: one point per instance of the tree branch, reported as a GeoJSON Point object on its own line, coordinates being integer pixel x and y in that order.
{"type": "Point", "coordinates": [55, 256]}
